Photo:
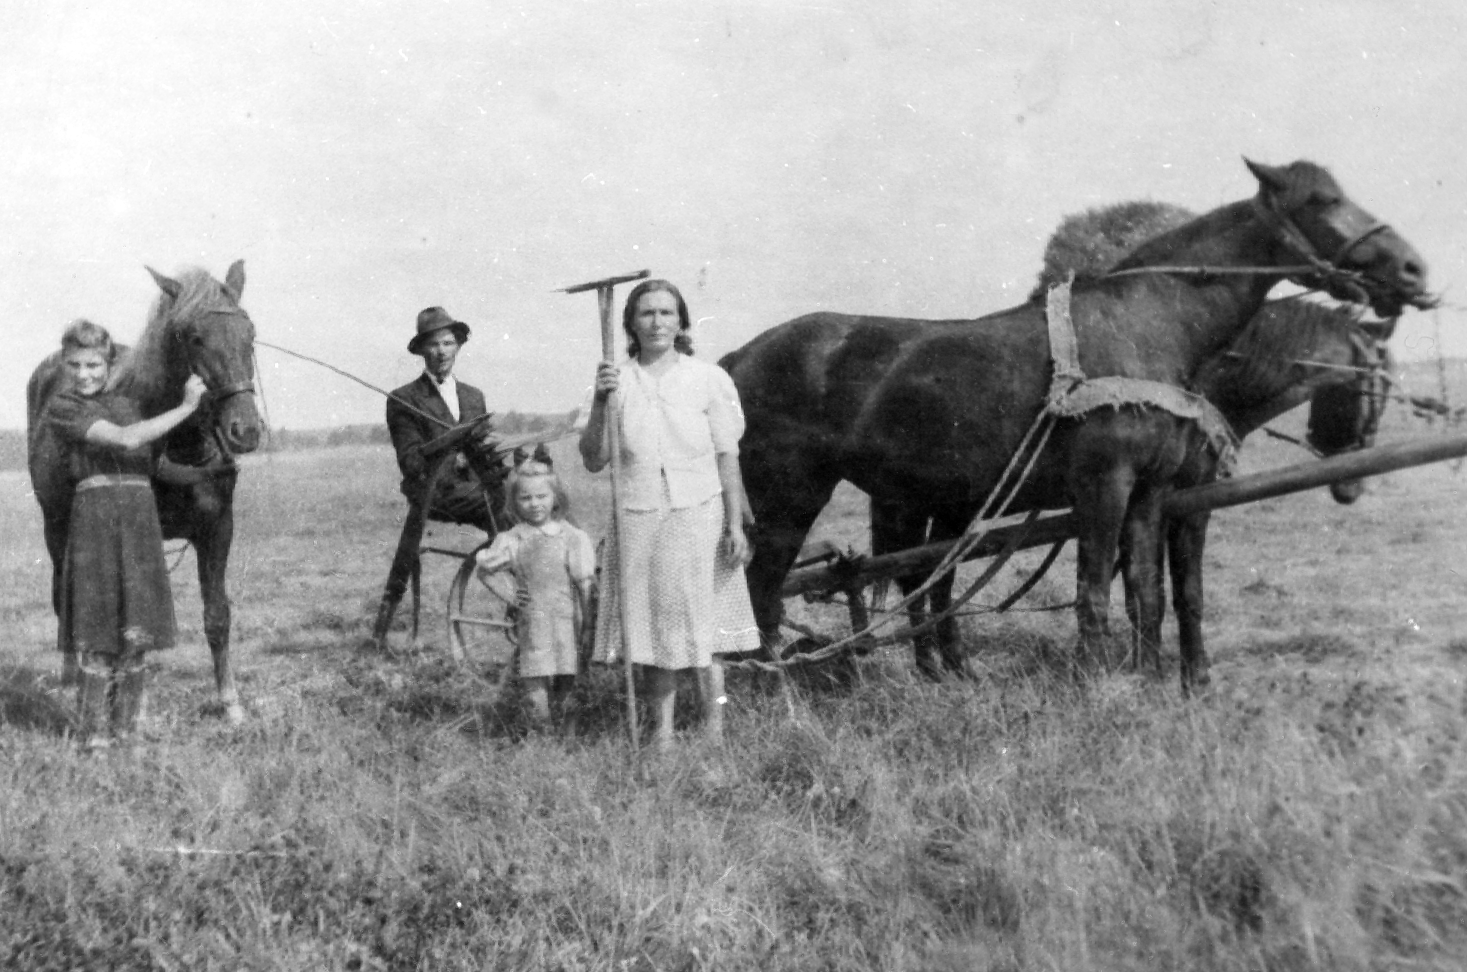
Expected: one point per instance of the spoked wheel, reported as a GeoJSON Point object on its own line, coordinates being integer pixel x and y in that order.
{"type": "Point", "coordinates": [481, 623]}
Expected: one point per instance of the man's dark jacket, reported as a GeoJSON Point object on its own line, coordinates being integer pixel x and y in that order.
{"type": "Point", "coordinates": [410, 432]}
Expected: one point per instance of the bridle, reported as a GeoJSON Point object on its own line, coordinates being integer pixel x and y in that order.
{"type": "Point", "coordinates": [1314, 271]}
{"type": "Point", "coordinates": [1328, 271]}
{"type": "Point", "coordinates": [217, 395]}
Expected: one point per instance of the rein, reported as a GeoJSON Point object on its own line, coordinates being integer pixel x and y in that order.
{"type": "Point", "coordinates": [1292, 237]}
{"type": "Point", "coordinates": [360, 381]}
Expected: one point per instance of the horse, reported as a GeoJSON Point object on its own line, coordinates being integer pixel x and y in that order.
{"type": "Point", "coordinates": [1291, 352]}
{"type": "Point", "coordinates": [195, 326]}
{"type": "Point", "coordinates": [927, 414]}
{"type": "Point", "coordinates": [1331, 358]}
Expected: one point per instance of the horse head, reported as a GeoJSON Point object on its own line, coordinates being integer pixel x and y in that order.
{"type": "Point", "coordinates": [1345, 417]}
{"type": "Point", "coordinates": [209, 334]}
{"type": "Point", "coordinates": [1351, 255]}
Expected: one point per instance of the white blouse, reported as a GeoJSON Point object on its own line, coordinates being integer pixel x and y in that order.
{"type": "Point", "coordinates": [672, 427]}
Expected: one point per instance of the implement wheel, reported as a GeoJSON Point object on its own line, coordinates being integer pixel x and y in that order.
{"type": "Point", "coordinates": [481, 622]}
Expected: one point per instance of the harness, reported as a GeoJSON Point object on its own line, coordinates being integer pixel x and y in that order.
{"type": "Point", "coordinates": [211, 457]}
{"type": "Point", "coordinates": [1072, 394]}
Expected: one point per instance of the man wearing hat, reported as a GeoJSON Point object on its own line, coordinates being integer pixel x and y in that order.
{"type": "Point", "coordinates": [458, 494]}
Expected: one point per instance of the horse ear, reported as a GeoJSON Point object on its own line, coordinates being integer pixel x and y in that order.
{"type": "Point", "coordinates": [1268, 176]}
{"type": "Point", "coordinates": [168, 285]}
{"type": "Point", "coordinates": [234, 278]}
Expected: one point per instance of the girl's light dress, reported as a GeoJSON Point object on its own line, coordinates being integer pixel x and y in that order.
{"type": "Point", "coordinates": [551, 564]}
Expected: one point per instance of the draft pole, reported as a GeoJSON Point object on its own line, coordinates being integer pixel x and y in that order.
{"type": "Point", "coordinates": [604, 290]}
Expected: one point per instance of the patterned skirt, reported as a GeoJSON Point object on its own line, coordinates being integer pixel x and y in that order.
{"type": "Point", "coordinates": [115, 595]}
{"type": "Point", "coordinates": [681, 601]}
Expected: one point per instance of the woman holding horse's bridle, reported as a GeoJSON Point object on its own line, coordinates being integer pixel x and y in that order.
{"type": "Point", "coordinates": [116, 602]}
{"type": "Point", "coordinates": [677, 587]}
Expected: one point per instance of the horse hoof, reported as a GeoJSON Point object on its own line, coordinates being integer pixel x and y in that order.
{"type": "Point", "coordinates": [965, 669]}
{"type": "Point", "coordinates": [1196, 685]}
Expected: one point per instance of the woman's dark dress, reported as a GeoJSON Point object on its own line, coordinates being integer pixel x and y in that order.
{"type": "Point", "coordinates": [115, 595]}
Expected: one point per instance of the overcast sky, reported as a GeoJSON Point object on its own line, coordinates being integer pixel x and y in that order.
{"type": "Point", "coordinates": [368, 159]}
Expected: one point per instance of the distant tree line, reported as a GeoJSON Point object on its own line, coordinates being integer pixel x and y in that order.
{"type": "Point", "coordinates": [13, 441]}
{"type": "Point", "coordinates": [505, 423]}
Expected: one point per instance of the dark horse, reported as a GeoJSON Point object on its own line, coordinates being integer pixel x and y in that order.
{"type": "Point", "coordinates": [196, 326]}
{"type": "Point", "coordinates": [1290, 353]}
{"type": "Point", "coordinates": [927, 415]}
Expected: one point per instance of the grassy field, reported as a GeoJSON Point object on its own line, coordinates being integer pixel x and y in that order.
{"type": "Point", "coordinates": [375, 813]}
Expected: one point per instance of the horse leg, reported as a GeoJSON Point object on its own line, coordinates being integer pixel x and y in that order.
{"type": "Point", "coordinates": [1186, 539]}
{"type": "Point", "coordinates": [940, 597]}
{"type": "Point", "coordinates": [55, 528]}
{"type": "Point", "coordinates": [785, 502]}
{"type": "Point", "coordinates": [212, 549]}
{"type": "Point", "coordinates": [1128, 585]}
{"type": "Point", "coordinates": [1101, 499]}
{"type": "Point", "coordinates": [896, 526]}
{"type": "Point", "coordinates": [1145, 592]}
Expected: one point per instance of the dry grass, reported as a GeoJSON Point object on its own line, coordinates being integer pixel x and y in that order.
{"type": "Point", "coordinates": [1311, 813]}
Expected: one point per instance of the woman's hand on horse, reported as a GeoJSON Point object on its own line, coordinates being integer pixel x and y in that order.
{"type": "Point", "coordinates": [193, 391]}
{"type": "Point", "coordinates": [607, 377]}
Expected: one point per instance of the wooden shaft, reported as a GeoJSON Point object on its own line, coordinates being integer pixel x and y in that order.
{"type": "Point", "coordinates": [613, 443]}
{"type": "Point", "coordinates": [1227, 492]}
{"type": "Point", "coordinates": [1322, 472]}
{"type": "Point", "coordinates": [913, 560]}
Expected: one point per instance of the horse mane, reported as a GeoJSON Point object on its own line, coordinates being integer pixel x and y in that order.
{"type": "Point", "coordinates": [1261, 360]}
{"type": "Point", "coordinates": [1090, 243]}
{"type": "Point", "coordinates": [144, 371]}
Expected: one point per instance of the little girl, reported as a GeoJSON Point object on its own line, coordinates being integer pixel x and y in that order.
{"type": "Point", "coordinates": [115, 603]}
{"type": "Point", "coordinates": [554, 568]}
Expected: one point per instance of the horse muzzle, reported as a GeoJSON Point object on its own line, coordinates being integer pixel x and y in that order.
{"type": "Point", "coordinates": [238, 421]}
{"type": "Point", "coordinates": [1347, 491]}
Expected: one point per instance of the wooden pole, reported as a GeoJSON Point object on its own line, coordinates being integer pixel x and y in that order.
{"type": "Point", "coordinates": [613, 441]}
{"type": "Point", "coordinates": [604, 289]}
{"type": "Point", "coordinates": [1321, 472]}
{"type": "Point", "coordinates": [1227, 492]}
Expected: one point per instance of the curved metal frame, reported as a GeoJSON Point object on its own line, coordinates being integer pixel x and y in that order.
{"type": "Point", "coordinates": [463, 621]}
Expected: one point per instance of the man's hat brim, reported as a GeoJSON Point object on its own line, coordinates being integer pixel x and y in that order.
{"type": "Point", "coordinates": [459, 328]}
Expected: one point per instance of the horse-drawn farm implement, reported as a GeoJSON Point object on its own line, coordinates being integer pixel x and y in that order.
{"type": "Point", "coordinates": [828, 573]}
{"type": "Point", "coordinates": [479, 629]}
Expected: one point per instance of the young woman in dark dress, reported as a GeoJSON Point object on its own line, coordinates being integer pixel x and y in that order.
{"type": "Point", "coordinates": [116, 603]}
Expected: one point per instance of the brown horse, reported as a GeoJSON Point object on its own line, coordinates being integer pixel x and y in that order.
{"type": "Point", "coordinates": [927, 415]}
{"type": "Point", "coordinates": [196, 326]}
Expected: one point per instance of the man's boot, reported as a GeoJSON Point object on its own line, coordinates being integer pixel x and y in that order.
{"type": "Point", "coordinates": [385, 611]}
